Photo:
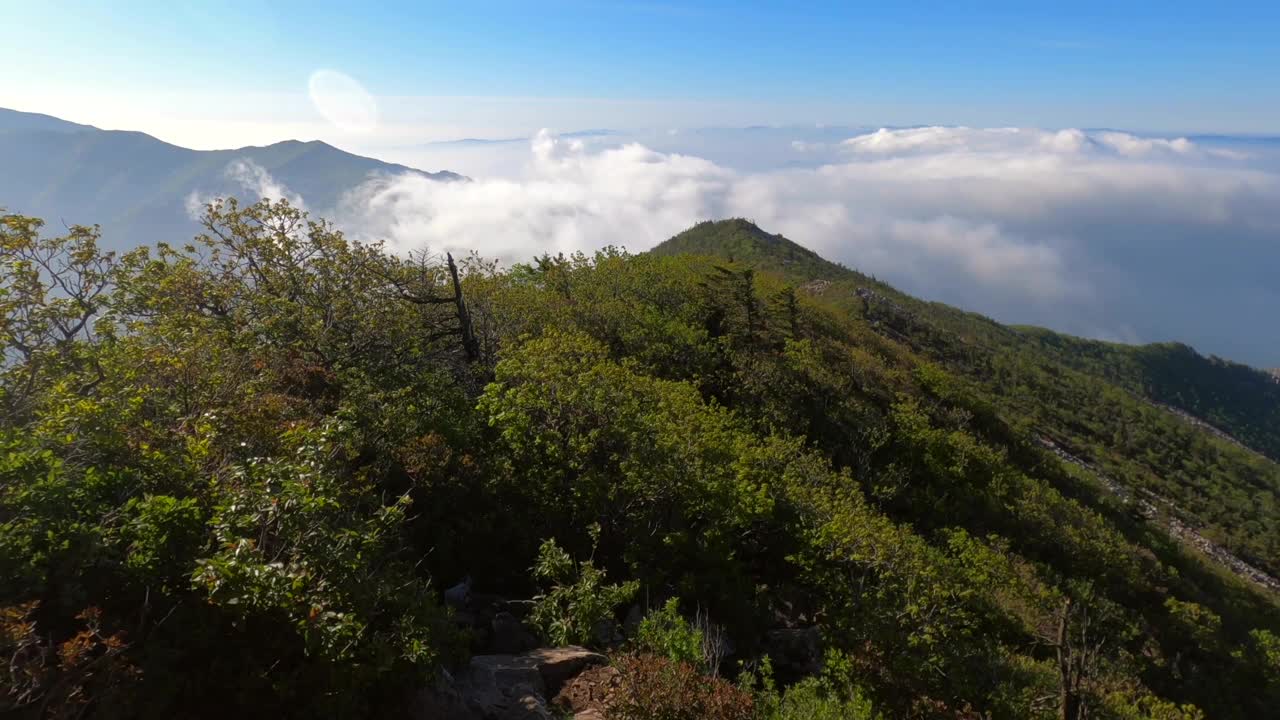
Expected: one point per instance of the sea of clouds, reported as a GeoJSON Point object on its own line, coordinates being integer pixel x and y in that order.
{"type": "Point", "coordinates": [1099, 233]}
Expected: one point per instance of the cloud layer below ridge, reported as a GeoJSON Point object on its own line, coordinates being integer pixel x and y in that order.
{"type": "Point", "coordinates": [1099, 233]}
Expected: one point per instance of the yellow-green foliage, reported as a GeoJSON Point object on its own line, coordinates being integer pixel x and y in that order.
{"type": "Point", "coordinates": [237, 474]}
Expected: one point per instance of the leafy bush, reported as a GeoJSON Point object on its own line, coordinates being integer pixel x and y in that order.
{"type": "Point", "coordinates": [578, 599]}
{"type": "Point", "coordinates": [664, 632]}
{"type": "Point", "coordinates": [294, 541]}
{"type": "Point", "coordinates": [60, 681]}
{"type": "Point", "coordinates": [1123, 706]}
{"type": "Point", "coordinates": [197, 447]}
{"type": "Point", "coordinates": [831, 696]}
{"type": "Point", "coordinates": [812, 699]}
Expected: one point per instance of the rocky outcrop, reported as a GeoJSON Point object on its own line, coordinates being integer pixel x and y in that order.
{"type": "Point", "coordinates": [1166, 514]}
{"type": "Point", "coordinates": [1205, 426]}
{"type": "Point", "coordinates": [559, 665]}
{"type": "Point", "coordinates": [442, 700]}
{"type": "Point", "coordinates": [493, 623]}
{"type": "Point", "coordinates": [515, 687]}
{"type": "Point", "coordinates": [509, 677]}
{"type": "Point", "coordinates": [815, 287]}
{"type": "Point", "coordinates": [458, 597]}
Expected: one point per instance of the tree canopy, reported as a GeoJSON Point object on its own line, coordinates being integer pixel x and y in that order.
{"type": "Point", "coordinates": [239, 472]}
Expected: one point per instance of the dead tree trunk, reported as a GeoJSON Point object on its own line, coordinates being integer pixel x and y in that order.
{"type": "Point", "coordinates": [469, 344]}
{"type": "Point", "coordinates": [1065, 701]}
{"type": "Point", "coordinates": [1078, 631]}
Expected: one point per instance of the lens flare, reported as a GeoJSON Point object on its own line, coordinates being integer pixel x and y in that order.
{"type": "Point", "coordinates": [343, 101]}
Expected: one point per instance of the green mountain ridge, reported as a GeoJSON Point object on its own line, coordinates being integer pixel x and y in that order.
{"type": "Point", "coordinates": [1119, 407]}
{"type": "Point", "coordinates": [743, 241]}
{"type": "Point", "coordinates": [1240, 401]}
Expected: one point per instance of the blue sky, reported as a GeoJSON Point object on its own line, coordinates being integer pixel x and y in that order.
{"type": "Point", "coordinates": [242, 67]}
{"type": "Point", "coordinates": [1093, 232]}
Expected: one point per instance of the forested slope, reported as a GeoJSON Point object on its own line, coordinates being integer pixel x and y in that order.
{"type": "Point", "coordinates": [240, 474]}
{"type": "Point", "coordinates": [1241, 401]}
{"type": "Point", "coordinates": [1112, 405]}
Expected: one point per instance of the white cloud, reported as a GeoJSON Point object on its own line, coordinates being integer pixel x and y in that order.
{"type": "Point", "coordinates": [249, 177]}
{"type": "Point", "coordinates": [988, 254]}
{"type": "Point", "coordinates": [1071, 141]}
{"type": "Point", "coordinates": [1131, 145]}
{"type": "Point", "coordinates": [805, 146]}
{"type": "Point", "coordinates": [1099, 233]}
{"type": "Point", "coordinates": [255, 179]}
{"type": "Point", "coordinates": [569, 199]}
{"type": "Point", "coordinates": [195, 203]}
{"type": "Point", "coordinates": [931, 139]}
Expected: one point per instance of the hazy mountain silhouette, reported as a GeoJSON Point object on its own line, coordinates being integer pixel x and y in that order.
{"type": "Point", "coordinates": [139, 188]}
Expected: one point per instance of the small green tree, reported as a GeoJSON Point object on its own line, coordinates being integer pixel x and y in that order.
{"type": "Point", "coordinates": [833, 695]}
{"type": "Point", "coordinates": [664, 632]}
{"type": "Point", "coordinates": [578, 598]}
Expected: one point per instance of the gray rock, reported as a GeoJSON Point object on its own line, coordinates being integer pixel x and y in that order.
{"type": "Point", "coordinates": [515, 687]}
{"type": "Point", "coordinates": [502, 672]}
{"type": "Point", "coordinates": [521, 703]}
{"type": "Point", "coordinates": [442, 700]}
{"type": "Point", "coordinates": [459, 596]}
{"type": "Point", "coordinates": [560, 665]}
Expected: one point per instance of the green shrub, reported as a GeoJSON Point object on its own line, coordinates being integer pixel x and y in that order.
{"type": "Point", "coordinates": [664, 632]}
{"type": "Point", "coordinates": [162, 534]}
{"type": "Point", "coordinates": [813, 699]}
{"type": "Point", "coordinates": [578, 599]}
{"type": "Point", "coordinates": [831, 696]}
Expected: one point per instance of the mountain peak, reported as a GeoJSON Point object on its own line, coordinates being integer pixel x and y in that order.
{"type": "Point", "coordinates": [741, 240]}
{"type": "Point", "coordinates": [302, 143]}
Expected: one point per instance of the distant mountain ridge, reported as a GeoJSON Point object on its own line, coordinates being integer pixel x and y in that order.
{"type": "Point", "coordinates": [139, 187]}
{"type": "Point", "coordinates": [17, 120]}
